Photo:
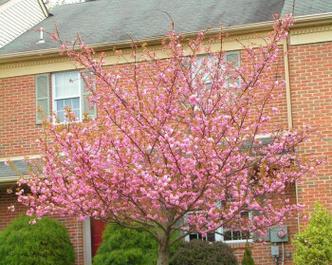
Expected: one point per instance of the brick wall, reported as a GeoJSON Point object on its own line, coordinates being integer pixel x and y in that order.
{"type": "Point", "coordinates": [311, 84]}
{"type": "Point", "coordinates": [18, 130]}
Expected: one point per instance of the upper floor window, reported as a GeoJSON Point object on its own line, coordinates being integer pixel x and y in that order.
{"type": "Point", "coordinates": [68, 90]}
{"type": "Point", "coordinates": [232, 58]}
{"type": "Point", "coordinates": [67, 93]}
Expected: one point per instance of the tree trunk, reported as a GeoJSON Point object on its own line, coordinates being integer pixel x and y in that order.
{"type": "Point", "coordinates": [163, 251]}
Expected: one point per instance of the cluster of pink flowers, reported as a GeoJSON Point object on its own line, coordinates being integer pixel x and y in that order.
{"type": "Point", "coordinates": [173, 141]}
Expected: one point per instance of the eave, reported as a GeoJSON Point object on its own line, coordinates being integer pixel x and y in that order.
{"type": "Point", "coordinates": [8, 180]}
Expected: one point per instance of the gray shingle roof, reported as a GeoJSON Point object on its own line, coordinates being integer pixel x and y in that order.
{"type": "Point", "coordinates": [307, 7]}
{"type": "Point", "coordinates": [114, 20]}
{"type": "Point", "coordinates": [108, 21]}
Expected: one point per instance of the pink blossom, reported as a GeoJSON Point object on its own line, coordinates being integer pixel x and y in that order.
{"type": "Point", "coordinates": [168, 146]}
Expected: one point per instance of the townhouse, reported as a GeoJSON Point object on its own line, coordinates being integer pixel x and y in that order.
{"type": "Point", "coordinates": [33, 75]}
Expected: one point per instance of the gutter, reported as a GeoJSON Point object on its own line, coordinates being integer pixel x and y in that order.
{"type": "Point", "coordinates": [44, 8]}
{"type": "Point", "coordinates": [12, 179]}
{"type": "Point", "coordinates": [300, 21]}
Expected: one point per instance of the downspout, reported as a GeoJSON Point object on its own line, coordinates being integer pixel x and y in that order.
{"type": "Point", "coordinates": [87, 242]}
{"type": "Point", "coordinates": [289, 110]}
{"type": "Point", "coordinates": [288, 90]}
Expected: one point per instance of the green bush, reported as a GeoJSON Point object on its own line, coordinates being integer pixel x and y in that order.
{"type": "Point", "coordinates": [123, 246]}
{"type": "Point", "coordinates": [247, 257]}
{"type": "Point", "coordinates": [313, 246]}
{"type": "Point", "coordinates": [198, 252]}
{"type": "Point", "coordinates": [44, 243]}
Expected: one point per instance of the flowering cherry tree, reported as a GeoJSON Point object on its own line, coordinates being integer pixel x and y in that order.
{"type": "Point", "coordinates": [177, 142]}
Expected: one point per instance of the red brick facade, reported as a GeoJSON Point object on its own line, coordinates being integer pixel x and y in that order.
{"type": "Point", "coordinates": [311, 84]}
{"type": "Point", "coordinates": [311, 99]}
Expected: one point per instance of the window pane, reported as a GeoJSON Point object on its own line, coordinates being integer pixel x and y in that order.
{"type": "Point", "coordinates": [211, 237]}
{"type": "Point", "coordinates": [67, 84]}
{"type": "Point", "coordinates": [245, 214]}
{"type": "Point", "coordinates": [245, 235]}
{"type": "Point", "coordinates": [230, 235]}
{"type": "Point", "coordinates": [193, 236]}
{"type": "Point", "coordinates": [237, 235]}
{"type": "Point", "coordinates": [77, 113]}
{"type": "Point", "coordinates": [61, 116]}
{"type": "Point", "coordinates": [233, 58]}
{"type": "Point", "coordinates": [200, 68]}
{"type": "Point", "coordinates": [227, 235]}
{"type": "Point", "coordinates": [72, 103]}
{"type": "Point", "coordinates": [60, 104]}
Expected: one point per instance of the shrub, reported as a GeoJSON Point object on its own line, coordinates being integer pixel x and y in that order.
{"type": "Point", "coordinates": [198, 252]}
{"type": "Point", "coordinates": [123, 246]}
{"type": "Point", "coordinates": [247, 257]}
{"type": "Point", "coordinates": [44, 243]}
{"type": "Point", "coordinates": [313, 246]}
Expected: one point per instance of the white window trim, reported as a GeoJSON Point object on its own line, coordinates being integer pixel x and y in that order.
{"type": "Point", "coordinates": [80, 94]}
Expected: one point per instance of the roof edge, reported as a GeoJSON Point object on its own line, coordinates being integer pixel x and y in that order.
{"type": "Point", "coordinates": [300, 21]}
{"type": "Point", "coordinates": [43, 8]}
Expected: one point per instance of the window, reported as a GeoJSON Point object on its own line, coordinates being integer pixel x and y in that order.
{"type": "Point", "coordinates": [224, 234]}
{"type": "Point", "coordinates": [232, 57]}
{"type": "Point", "coordinates": [210, 237]}
{"type": "Point", "coordinates": [68, 90]}
{"type": "Point", "coordinates": [198, 71]}
{"type": "Point", "coordinates": [67, 87]}
{"type": "Point", "coordinates": [237, 235]}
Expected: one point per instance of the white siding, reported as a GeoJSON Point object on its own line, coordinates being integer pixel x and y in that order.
{"type": "Point", "coordinates": [16, 17]}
